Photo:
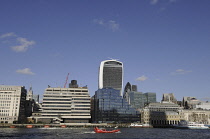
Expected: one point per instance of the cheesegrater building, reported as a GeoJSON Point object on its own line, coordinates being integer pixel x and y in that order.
{"type": "Point", "coordinates": [111, 75]}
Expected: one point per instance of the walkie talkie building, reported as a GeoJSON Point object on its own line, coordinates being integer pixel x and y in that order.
{"type": "Point", "coordinates": [111, 74]}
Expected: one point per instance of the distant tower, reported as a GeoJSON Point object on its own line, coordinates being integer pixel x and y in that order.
{"type": "Point", "coordinates": [127, 90]}
{"type": "Point", "coordinates": [29, 94]}
{"type": "Point", "coordinates": [130, 90]}
{"type": "Point", "coordinates": [111, 74]}
{"type": "Point", "coordinates": [134, 88]}
{"type": "Point", "coordinates": [73, 84]}
{"type": "Point", "coordinates": [169, 97]}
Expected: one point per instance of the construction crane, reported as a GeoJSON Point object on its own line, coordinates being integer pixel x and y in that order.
{"type": "Point", "coordinates": [67, 77]}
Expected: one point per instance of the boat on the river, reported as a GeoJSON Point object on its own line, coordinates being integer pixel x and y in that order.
{"type": "Point", "coordinates": [46, 126]}
{"type": "Point", "coordinates": [12, 126]}
{"type": "Point", "coordinates": [191, 125]}
{"type": "Point", "coordinates": [139, 125]}
{"type": "Point", "coordinates": [98, 130]}
{"type": "Point", "coordinates": [29, 126]}
{"type": "Point", "coordinates": [136, 125]}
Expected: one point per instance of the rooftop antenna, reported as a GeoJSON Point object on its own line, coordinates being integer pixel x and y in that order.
{"type": "Point", "coordinates": [67, 77]}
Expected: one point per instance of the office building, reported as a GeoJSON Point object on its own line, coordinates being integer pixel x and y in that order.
{"type": "Point", "coordinates": [29, 94]}
{"type": "Point", "coordinates": [149, 97]}
{"type": "Point", "coordinates": [36, 98]}
{"type": "Point", "coordinates": [110, 107]}
{"type": "Point", "coordinates": [134, 88]}
{"type": "Point", "coordinates": [111, 74]}
{"type": "Point", "coordinates": [164, 107]}
{"type": "Point", "coordinates": [161, 114]}
{"type": "Point", "coordinates": [66, 105]}
{"type": "Point", "coordinates": [12, 104]}
{"type": "Point", "coordinates": [73, 84]}
{"type": "Point", "coordinates": [196, 115]}
{"type": "Point", "coordinates": [169, 97]}
{"type": "Point", "coordinates": [203, 106]}
{"type": "Point", "coordinates": [127, 90]}
{"type": "Point", "coordinates": [137, 99]}
{"type": "Point", "coordinates": [190, 102]}
{"type": "Point", "coordinates": [160, 118]}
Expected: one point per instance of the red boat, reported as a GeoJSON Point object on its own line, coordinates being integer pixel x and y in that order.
{"type": "Point", "coordinates": [97, 130]}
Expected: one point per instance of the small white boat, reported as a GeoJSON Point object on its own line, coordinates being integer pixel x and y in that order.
{"type": "Point", "coordinates": [192, 125]}
{"type": "Point", "coordinates": [136, 125]}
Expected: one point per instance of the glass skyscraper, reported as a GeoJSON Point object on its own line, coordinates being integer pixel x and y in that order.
{"type": "Point", "coordinates": [109, 107]}
{"type": "Point", "coordinates": [138, 99]}
{"type": "Point", "coordinates": [111, 74]}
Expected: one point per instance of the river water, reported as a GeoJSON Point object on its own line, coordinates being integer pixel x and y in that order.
{"type": "Point", "coordinates": [88, 133]}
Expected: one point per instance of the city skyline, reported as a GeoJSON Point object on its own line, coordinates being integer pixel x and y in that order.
{"type": "Point", "coordinates": [163, 44]}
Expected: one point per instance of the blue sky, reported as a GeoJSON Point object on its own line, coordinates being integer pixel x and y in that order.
{"type": "Point", "coordinates": [163, 44]}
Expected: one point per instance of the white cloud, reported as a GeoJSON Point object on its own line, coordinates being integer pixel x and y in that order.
{"type": "Point", "coordinates": [142, 78]}
{"type": "Point", "coordinates": [25, 71]}
{"type": "Point", "coordinates": [111, 24]}
{"type": "Point", "coordinates": [153, 2]}
{"type": "Point", "coordinates": [172, 1]}
{"type": "Point", "coordinates": [181, 71]}
{"type": "Point", "coordinates": [99, 21]}
{"type": "Point", "coordinates": [24, 45]}
{"type": "Point", "coordinates": [11, 34]}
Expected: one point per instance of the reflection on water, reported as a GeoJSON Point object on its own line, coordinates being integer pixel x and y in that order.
{"type": "Point", "coordinates": [142, 133]}
{"type": "Point", "coordinates": [88, 132]}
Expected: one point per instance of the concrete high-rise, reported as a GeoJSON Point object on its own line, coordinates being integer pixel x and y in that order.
{"type": "Point", "coordinates": [12, 104]}
{"type": "Point", "coordinates": [67, 105]}
{"type": "Point", "coordinates": [111, 75]}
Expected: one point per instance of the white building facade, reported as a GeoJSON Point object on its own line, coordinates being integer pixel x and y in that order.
{"type": "Point", "coordinates": [12, 104]}
{"type": "Point", "coordinates": [199, 116]}
{"type": "Point", "coordinates": [67, 105]}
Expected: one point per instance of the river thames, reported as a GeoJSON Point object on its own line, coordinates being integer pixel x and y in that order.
{"type": "Point", "coordinates": [88, 133]}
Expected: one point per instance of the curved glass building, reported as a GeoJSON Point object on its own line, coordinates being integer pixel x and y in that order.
{"type": "Point", "coordinates": [111, 75]}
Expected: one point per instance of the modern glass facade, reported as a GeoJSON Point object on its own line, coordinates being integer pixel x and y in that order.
{"type": "Point", "coordinates": [110, 107]}
{"type": "Point", "coordinates": [111, 74]}
{"type": "Point", "coordinates": [150, 97]}
{"type": "Point", "coordinates": [138, 99]}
